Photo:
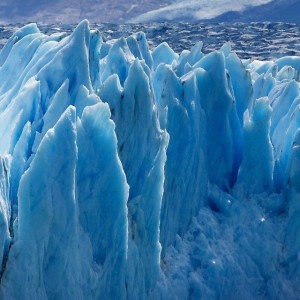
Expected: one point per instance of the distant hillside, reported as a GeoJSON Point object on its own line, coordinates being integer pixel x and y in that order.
{"type": "Point", "coordinates": [72, 11]}
{"type": "Point", "coordinates": [276, 11]}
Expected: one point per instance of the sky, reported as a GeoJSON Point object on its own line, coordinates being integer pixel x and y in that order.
{"type": "Point", "coordinates": [128, 11]}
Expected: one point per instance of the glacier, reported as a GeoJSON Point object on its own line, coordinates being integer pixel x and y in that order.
{"type": "Point", "coordinates": [130, 173]}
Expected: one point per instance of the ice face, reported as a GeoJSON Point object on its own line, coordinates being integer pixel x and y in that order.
{"type": "Point", "coordinates": [127, 173]}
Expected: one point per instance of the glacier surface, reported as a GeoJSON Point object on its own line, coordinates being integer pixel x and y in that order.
{"type": "Point", "coordinates": [135, 174]}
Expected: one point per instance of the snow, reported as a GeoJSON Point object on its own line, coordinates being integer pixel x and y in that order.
{"type": "Point", "coordinates": [127, 173]}
{"type": "Point", "coordinates": [196, 10]}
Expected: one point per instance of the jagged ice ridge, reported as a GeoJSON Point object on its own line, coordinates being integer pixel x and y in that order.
{"type": "Point", "coordinates": [134, 174]}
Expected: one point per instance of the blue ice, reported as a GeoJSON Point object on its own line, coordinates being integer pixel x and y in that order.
{"type": "Point", "coordinates": [135, 173]}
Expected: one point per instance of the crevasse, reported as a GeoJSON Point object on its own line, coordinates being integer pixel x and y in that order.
{"type": "Point", "coordinates": [127, 173]}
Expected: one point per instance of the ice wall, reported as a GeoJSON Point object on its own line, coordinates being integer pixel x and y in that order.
{"type": "Point", "coordinates": [129, 173]}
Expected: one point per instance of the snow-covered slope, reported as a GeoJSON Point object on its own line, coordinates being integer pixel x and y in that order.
{"type": "Point", "coordinates": [130, 174]}
{"type": "Point", "coordinates": [224, 11]}
{"type": "Point", "coordinates": [194, 10]}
